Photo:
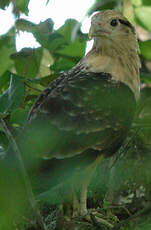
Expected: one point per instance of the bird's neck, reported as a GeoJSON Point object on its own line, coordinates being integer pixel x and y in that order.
{"type": "Point", "coordinates": [120, 60]}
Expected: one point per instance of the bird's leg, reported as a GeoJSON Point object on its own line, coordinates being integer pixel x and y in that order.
{"type": "Point", "coordinates": [88, 176]}
{"type": "Point", "coordinates": [110, 194]}
{"type": "Point", "coordinates": [93, 216]}
{"type": "Point", "coordinates": [83, 198]}
{"type": "Point", "coordinates": [75, 206]}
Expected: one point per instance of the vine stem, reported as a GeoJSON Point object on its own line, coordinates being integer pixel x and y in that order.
{"type": "Point", "coordinates": [24, 174]}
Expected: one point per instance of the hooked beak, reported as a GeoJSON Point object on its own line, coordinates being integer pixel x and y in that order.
{"type": "Point", "coordinates": [96, 31]}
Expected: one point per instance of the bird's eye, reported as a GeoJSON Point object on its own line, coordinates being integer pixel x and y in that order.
{"type": "Point", "coordinates": [114, 22]}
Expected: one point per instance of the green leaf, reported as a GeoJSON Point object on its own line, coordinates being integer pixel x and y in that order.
{"type": "Point", "coordinates": [4, 3]}
{"type": "Point", "coordinates": [55, 195]}
{"type": "Point", "coordinates": [19, 116]}
{"type": "Point", "coordinates": [146, 77]}
{"type": "Point", "coordinates": [74, 48]}
{"type": "Point", "coordinates": [52, 196]}
{"type": "Point", "coordinates": [13, 96]}
{"type": "Point", "coordinates": [42, 29]}
{"type": "Point", "coordinates": [14, 204]}
{"type": "Point", "coordinates": [146, 2]}
{"type": "Point", "coordinates": [4, 81]}
{"type": "Point", "coordinates": [45, 27]}
{"type": "Point", "coordinates": [46, 62]}
{"type": "Point", "coordinates": [102, 5]}
{"type": "Point", "coordinates": [3, 140]}
{"type": "Point", "coordinates": [143, 17]}
{"type": "Point", "coordinates": [53, 43]}
{"type": "Point", "coordinates": [43, 32]}
{"type": "Point", "coordinates": [22, 6]}
{"type": "Point", "coordinates": [136, 2]}
{"type": "Point", "coordinates": [63, 64]}
{"type": "Point", "coordinates": [45, 81]}
{"type": "Point", "coordinates": [145, 48]}
{"type": "Point", "coordinates": [7, 47]}
{"type": "Point", "coordinates": [27, 62]}
{"type": "Point", "coordinates": [25, 25]}
{"type": "Point", "coordinates": [35, 87]}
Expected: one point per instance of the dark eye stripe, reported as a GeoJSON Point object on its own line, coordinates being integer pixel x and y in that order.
{"type": "Point", "coordinates": [127, 23]}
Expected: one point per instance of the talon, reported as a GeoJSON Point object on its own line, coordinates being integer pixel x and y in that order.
{"type": "Point", "coordinates": [99, 221]}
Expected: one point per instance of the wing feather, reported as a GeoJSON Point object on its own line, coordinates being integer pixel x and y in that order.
{"type": "Point", "coordinates": [82, 111]}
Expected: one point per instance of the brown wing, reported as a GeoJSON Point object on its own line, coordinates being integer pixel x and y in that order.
{"type": "Point", "coordinates": [80, 111]}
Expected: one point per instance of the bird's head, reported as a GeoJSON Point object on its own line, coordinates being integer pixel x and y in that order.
{"type": "Point", "coordinates": [115, 48]}
{"type": "Point", "coordinates": [111, 26]}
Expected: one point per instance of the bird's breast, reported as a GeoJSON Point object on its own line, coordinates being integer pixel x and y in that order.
{"type": "Point", "coordinates": [123, 68]}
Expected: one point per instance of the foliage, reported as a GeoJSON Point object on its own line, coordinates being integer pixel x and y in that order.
{"type": "Point", "coordinates": [24, 75]}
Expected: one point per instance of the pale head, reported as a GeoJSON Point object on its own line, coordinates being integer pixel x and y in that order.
{"type": "Point", "coordinates": [112, 25]}
{"type": "Point", "coordinates": [115, 48]}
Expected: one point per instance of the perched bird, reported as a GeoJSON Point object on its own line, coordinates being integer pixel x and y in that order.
{"type": "Point", "coordinates": [90, 108]}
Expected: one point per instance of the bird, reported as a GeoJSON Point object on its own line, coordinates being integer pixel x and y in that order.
{"type": "Point", "coordinates": [90, 108]}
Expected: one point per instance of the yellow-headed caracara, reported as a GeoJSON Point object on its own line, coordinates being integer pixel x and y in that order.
{"type": "Point", "coordinates": [90, 107]}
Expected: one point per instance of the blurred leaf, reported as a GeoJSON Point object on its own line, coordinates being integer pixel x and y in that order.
{"type": "Point", "coordinates": [72, 49]}
{"type": "Point", "coordinates": [23, 6]}
{"type": "Point", "coordinates": [46, 62]}
{"type": "Point", "coordinates": [143, 16]}
{"type": "Point", "coordinates": [145, 48]}
{"type": "Point", "coordinates": [13, 96]}
{"type": "Point", "coordinates": [3, 140]}
{"type": "Point", "coordinates": [36, 87]}
{"type": "Point", "coordinates": [146, 2]}
{"type": "Point", "coordinates": [128, 11]}
{"type": "Point", "coordinates": [47, 2]}
{"type": "Point", "coordinates": [4, 3]}
{"type": "Point", "coordinates": [63, 63]}
{"type": "Point", "coordinates": [25, 25]}
{"type": "Point", "coordinates": [19, 116]}
{"type": "Point", "coordinates": [31, 63]}
{"type": "Point", "coordinates": [7, 47]}
{"type": "Point", "coordinates": [146, 78]}
{"type": "Point", "coordinates": [27, 62]}
{"type": "Point", "coordinates": [50, 40]}
{"type": "Point", "coordinates": [4, 81]}
{"type": "Point", "coordinates": [13, 197]}
{"type": "Point", "coordinates": [54, 43]}
{"type": "Point", "coordinates": [58, 41]}
{"type": "Point", "coordinates": [142, 223]}
{"type": "Point", "coordinates": [102, 5]}
{"type": "Point", "coordinates": [55, 195]}
{"type": "Point", "coordinates": [45, 81]}
{"type": "Point", "coordinates": [44, 28]}
{"type": "Point", "coordinates": [43, 33]}
{"type": "Point", "coordinates": [136, 2]}
{"type": "Point", "coordinates": [20, 6]}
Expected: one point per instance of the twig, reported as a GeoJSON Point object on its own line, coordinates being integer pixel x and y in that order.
{"type": "Point", "coordinates": [26, 94]}
{"type": "Point", "coordinates": [24, 174]}
{"type": "Point", "coordinates": [33, 88]}
{"type": "Point", "coordinates": [144, 211]}
{"type": "Point", "coordinates": [126, 146]}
